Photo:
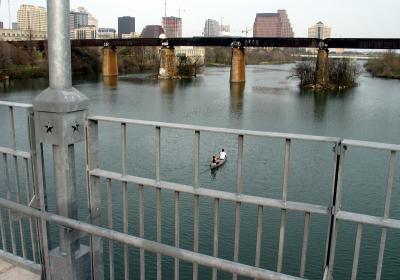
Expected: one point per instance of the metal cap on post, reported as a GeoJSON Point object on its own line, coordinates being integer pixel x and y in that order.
{"type": "Point", "coordinates": [60, 113]}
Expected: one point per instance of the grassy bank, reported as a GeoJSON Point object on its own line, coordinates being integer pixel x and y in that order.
{"type": "Point", "coordinates": [387, 66]}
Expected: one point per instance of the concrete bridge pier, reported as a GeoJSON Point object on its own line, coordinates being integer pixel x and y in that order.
{"type": "Point", "coordinates": [322, 67]}
{"type": "Point", "coordinates": [168, 68]}
{"type": "Point", "coordinates": [238, 66]}
{"type": "Point", "coordinates": [110, 62]}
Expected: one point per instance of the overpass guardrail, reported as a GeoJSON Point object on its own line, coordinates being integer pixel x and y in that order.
{"type": "Point", "coordinates": [25, 218]}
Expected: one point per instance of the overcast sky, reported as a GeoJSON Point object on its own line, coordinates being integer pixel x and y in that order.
{"type": "Point", "coordinates": [348, 18]}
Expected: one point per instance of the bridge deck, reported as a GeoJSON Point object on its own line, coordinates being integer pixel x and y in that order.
{"type": "Point", "coordinates": [346, 43]}
{"type": "Point", "coordinates": [9, 271]}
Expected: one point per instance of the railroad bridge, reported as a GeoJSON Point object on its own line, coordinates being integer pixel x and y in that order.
{"type": "Point", "coordinates": [238, 45]}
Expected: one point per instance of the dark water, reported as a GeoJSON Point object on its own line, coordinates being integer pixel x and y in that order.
{"type": "Point", "coordinates": [268, 102]}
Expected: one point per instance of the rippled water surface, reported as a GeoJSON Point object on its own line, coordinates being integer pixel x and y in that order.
{"type": "Point", "coordinates": [269, 101]}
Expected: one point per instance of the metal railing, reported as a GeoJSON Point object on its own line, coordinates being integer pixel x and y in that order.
{"type": "Point", "coordinates": [198, 191]}
{"type": "Point", "coordinates": [98, 232]}
{"type": "Point", "coordinates": [24, 248]}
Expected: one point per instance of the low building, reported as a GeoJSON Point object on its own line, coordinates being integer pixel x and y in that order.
{"type": "Point", "coordinates": [194, 53]}
{"type": "Point", "coordinates": [84, 32]}
{"type": "Point", "coordinates": [22, 35]}
{"type": "Point", "coordinates": [15, 25]}
{"type": "Point", "coordinates": [1, 25]}
{"type": "Point", "coordinates": [130, 35]}
{"type": "Point", "coordinates": [152, 31]}
{"type": "Point", "coordinates": [106, 33]}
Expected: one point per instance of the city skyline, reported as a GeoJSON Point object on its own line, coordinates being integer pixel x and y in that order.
{"type": "Point", "coordinates": [347, 19]}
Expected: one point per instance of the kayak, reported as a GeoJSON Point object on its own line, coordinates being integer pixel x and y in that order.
{"type": "Point", "coordinates": [218, 162]}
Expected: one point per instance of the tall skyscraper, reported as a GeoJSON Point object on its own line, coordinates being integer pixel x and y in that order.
{"type": "Point", "coordinates": [172, 26]}
{"type": "Point", "coordinates": [212, 28]}
{"type": "Point", "coordinates": [32, 18]}
{"type": "Point", "coordinates": [126, 25]}
{"type": "Point", "coordinates": [319, 31]}
{"type": "Point", "coordinates": [272, 25]}
{"type": "Point", "coordinates": [152, 31]}
{"type": "Point", "coordinates": [78, 18]}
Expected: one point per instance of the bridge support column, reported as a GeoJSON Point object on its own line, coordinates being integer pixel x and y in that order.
{"type": "Point", "coordinates": [322, 67]}
{"type": "Point", "coordinates": [168, 68]}
{"type": "Point", "coordinates": [59, 118]}
{"type": "Point", "coordinates": [238, 66]}
{"type": "Point", "coordinates": [110, 62]}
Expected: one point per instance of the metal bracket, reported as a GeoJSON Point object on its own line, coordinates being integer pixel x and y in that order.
{"type": "Point", "coordinates": [236, 44]}
{"type": "Point", "coordinates": [34, 203]}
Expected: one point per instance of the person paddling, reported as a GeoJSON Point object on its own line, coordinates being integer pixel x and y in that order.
{"type": "Point", "coordinates": [222, 154]}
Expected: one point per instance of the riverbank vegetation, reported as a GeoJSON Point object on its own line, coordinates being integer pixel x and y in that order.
{"type": "Point", "coordinates": [218, 56]}
{"type": "Point", "coordinates": [387, 66]}
{"type": "Point", "coordinates": [22, 63]}
{"type": "Point", "coordinates": [138, 59]}
{"type": "Point", "coordinates": [343, 74]}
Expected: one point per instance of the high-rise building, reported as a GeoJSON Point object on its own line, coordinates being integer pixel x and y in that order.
{"type": "Point", "coordinates": [126, 25]}
{"type": "Point", "coordinates": [15, 25]}
{"type": "Point", "coordinates": [32, 18]}
{"type": "Point", "coordinates": [225, 28]}
{"type": "Point", "coordinates": [212, 28]}
{"type": "Point", "coordinates": [319, 31]}
{"type": "Point", "coordinates": [152, 31]}
{"type": "Point", "coordinates": [93, 21]}
{"type": "Point", "coordinates": [272, 25]}
{"type": "Point", "coordinates": [1, 25]}
{"type": "Point", "coordinates": [78, 18]}
{"type": "Point", "coordinates": [172, 26]}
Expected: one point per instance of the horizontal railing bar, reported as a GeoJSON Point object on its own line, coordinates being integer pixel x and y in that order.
{"type": "Point", "coordinates": [367, 219]}
{"type": "Point", "coordinates": [148, 245]}
{"type": "Point", "coordinates": [371, 145]}
{"type": "Point", "coordinates": [249, 199]}
{"type": "Point", "coordinates": [17, 153]}
{"type": "Point", "coordinates": [218, 129]}
{"type": "Point", "coordinates": [15, 104]}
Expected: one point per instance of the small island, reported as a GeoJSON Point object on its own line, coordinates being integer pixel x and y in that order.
{"type": "Point", "coordinates": [327, 74]}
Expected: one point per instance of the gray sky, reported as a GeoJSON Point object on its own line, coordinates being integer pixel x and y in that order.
{"type": "Point", "coordinates": [348, 18]}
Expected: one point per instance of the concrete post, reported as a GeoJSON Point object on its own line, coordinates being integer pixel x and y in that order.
{"type": "Point", "coordinates": [110, 62]}
{"type": "Point", "coordinates": [59, 113]}
{"type": "Point", "coordinates": [322, 67]}
{"type": "Point", "coordinates": [168, 69]}
{"type": "Point", "coordinates": [238, 67]}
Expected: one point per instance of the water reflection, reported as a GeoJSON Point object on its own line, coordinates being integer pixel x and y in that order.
{"type": "Point", "coordinates": [110, 82]}
{"type": "Point", "coordinates": [25, 84]}
{"type": "Point", "coordinates": [168, 86]}
{"type": "Point", "coordinates": [320, 100]}
{"type": "Point", "coordinates": [236, 99]}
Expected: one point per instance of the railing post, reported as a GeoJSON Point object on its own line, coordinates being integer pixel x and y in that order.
{"type": "Point", "coordinates": [60, 113]}
{"type": "Point", "coordinates": [39, 201]}
{"type": "Point", "coordinates": [339, 150]}
{"type": "Point", "coordinates": [94, 196]}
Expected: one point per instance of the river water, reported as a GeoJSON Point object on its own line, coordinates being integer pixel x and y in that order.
{"type": "Point", "coordinates": [269, 101]}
